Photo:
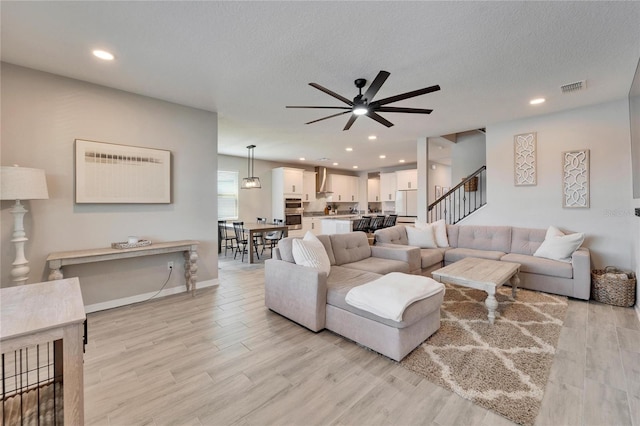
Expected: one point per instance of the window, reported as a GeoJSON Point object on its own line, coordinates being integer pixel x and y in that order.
{"type": "Point", "coordinates": [227, 195]}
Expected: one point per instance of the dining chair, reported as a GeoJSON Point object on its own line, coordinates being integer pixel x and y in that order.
{"type": "Point", "coordinates": [273, 237]}
{"type": "Point", "coordinates": [258, 237]}
{"type": "Point", "coordinates": [224, 237]}
{"type": "Point", "coordinates": [242, 241]}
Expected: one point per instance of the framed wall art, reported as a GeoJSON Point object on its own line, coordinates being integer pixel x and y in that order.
{"type": "Point", "coordinates": [575, 179]}
{"type": "Point", "coordinates": [524, 159]}
{"type": "Point", "coordinates": [111, 173]}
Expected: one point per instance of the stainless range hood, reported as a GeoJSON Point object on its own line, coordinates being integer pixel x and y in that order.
{"type": "Point", "coordinates": [322, 183]}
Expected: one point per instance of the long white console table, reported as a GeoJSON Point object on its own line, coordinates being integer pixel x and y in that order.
{"type": "Point", "coordinates": [190, 248]}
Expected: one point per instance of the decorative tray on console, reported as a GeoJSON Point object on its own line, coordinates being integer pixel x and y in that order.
{"type": "Point", "coordinates": [126, 245]}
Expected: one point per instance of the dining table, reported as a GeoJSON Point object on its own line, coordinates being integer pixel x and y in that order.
{"type": "Point", "coordinates": [258, 228]}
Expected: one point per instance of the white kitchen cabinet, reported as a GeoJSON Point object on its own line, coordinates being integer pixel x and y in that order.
{"type": "Point", "coordinates": [406, 180]}
{"type": "Point", "coordinates": [288, 181]}
{"type": "Point", "coordinates": [345, 188]}
{"type": "Point", "coordinates": [309, 186]}
{"type": "Point", "coordinates": [373, 190]}
{"type": "Point", "coordinates": [388, 186]}
{"type": "Point", "coordinates": [285, 183]}
{"type": "Point", "coordinates": [309, 224]}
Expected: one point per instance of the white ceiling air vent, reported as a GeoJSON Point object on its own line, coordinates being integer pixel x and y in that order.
{"type": "Point", "coordinates": [574, 87]}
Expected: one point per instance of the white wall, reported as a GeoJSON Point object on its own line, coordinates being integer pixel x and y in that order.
{"type": "Point", "coordinates": [441, 176]}
{"type": "Point", "coordinates": [604, 129]}
{"type": "Point", "coordinates": [468, 154]}
{"type": "Point", "coordinates": [42, 115]}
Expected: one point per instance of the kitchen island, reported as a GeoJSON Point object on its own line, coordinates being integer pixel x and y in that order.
{"type": "Point", "coordinates": [338, 225]}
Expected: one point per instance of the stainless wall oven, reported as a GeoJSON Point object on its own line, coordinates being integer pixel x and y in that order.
{"type": "Point", "coordinates": [293, 213]}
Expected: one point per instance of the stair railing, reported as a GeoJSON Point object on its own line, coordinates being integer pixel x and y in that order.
{"type": "Point", "coordinates": [462, 200]}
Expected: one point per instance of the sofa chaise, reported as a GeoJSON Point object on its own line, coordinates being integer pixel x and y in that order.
{"type": "Point", "coordinates": [503, 243]}
{"type": "Point", "coordinates": [317, 300]}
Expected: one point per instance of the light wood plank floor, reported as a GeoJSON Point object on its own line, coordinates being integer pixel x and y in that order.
{"type": "Point", "coordinates": [222, 358]}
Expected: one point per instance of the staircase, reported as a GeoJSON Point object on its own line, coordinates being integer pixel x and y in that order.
{"type": "Point", "coordinates": [462, 200]}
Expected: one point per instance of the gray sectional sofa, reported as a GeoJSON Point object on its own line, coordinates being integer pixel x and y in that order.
{"type": "Point", "coordinates": [317, 301]}
{"type": "Point", "coordinates": [506, 243]}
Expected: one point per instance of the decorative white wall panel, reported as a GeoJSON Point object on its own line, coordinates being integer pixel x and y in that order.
{"type": "Point", "coordinates": [575, 179]}
{"type": "Point", "coordinates": [524, 150]}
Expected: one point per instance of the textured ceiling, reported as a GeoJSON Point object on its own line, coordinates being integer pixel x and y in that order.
{"type": "Point", "coordinates": [247, 60]}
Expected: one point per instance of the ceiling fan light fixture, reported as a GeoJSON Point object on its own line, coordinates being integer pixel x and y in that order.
{"type": "Point", "coordinates": [360, 110]}
{"type": "Point", "coordinates": [250, 182]}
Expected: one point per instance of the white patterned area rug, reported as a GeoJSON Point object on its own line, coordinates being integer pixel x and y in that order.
{"type": "Point", "coordinates": [503, 367]}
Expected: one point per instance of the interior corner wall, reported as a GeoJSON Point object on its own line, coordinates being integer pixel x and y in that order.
{"type": "Point", "coordinates": [42, 114]}
{"type": "Point", "coordinates": [604, 130]}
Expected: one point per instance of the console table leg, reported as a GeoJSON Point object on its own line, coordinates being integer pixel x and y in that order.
{"type": "Point", "coordinates": [190, 270]}
{"type": "Point", "coordinates": [492, 304]}
{"type": "Point", "coordinates": [55, 274]}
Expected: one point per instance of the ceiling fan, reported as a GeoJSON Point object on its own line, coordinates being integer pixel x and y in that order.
{"type": "Point", "coordinates": [365, 105]}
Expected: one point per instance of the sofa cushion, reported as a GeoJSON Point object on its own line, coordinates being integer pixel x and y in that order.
{"type": "Point", "coordinates": [495, 238]}
{"type": "Point", "coordinates": [285, 248]}
{"type": "Point", "coordinates": [452, 235]}
{"type": "Point", "coordinates": [310, 252]}
{"type": "Point", "coordinates": [393, 235]}
{"type": "Point", "coordinates": [421, 237]}
{"type": "Point", "coordinates": [439, 231]}
{"type": "Point", "coordinates": [351, 247]}
{"type": "Point", "coordinates": [379, 265]}
{"type": "Point", "coordinates": [429, 257]}
{"type": "Point", "coordinates": [540, 266]}
{"type": "Point", "coordinates": [558, 246]}
{"type": "Point", "coordinates": [526, 240]}
{"type": "Point", "coordinates": [337, 290]}
{"type": "Point", "coordinates": [456, 254]}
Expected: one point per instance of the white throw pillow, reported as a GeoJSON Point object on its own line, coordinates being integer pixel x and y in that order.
{"type": "Point", "coordinates": [439, 230]}
{"type": "Point", "coordinates": [310, 252]}
{"type": "Point", "coordinates": [558, 246]}
{"type": "Point", "coordinates": [423, 238]}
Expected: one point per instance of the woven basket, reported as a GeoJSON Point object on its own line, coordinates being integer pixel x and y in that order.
{"type": "Point", "coordinates": [126, 245]}
{"type": "Point", "coordinates": [608, 288]}
{"type": "Point", "coordinates": [472, 185]}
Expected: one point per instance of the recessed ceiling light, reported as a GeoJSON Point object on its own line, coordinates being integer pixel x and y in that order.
{"type": "Point", "coordinates": [335, 164]}
{"type": "Point", "coordinates": [302, 158]}
{"type": "Point", "coordinates": [355, 167]}
{"type": "Point", "coordinates": [103, 54]}
{"type": "Point", "coordinates": [373, 137]}
{"type": "Point", "coordinates": [537, 101]}
{"type": "Point", "coordinates": [348, 149]}
{"type": "Point", "coordinates": [383, 156]}
{"type": "Point", "coordinates": [401, 161]}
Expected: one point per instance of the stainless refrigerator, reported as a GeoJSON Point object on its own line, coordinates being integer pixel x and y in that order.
{"type": "Point", "coordinates": [407, 203]}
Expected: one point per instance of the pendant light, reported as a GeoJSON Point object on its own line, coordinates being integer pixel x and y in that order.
{"type": "Point", "coordinates": [251, 181]}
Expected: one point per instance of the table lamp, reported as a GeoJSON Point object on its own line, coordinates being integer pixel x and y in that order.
{"type": "Point", "coordinates": [21, 183]}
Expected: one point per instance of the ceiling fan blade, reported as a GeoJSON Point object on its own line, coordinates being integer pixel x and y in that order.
{"type": "Point", "coordinates": [352, 119]}
{"type": "Point", "coordinates": [331, 93]}
{"type": "Point", "coordinates": [375, 86]}
{"type": "Point", "coordinates": [406, 110]}
{"type": "Point", "coordinates": [318, 107]}
{"type": "Point", "coordinates": [330, 116]}
{"type": "Point", "coordinates": [407, 95]}
{"type": "Point", "coordinates": [379, 119]}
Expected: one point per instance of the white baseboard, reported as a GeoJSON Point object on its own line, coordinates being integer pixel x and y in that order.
{"type": "Point", "coordinates": [142, 297]}
{"type": "Point", "coordinates": [637, 308]}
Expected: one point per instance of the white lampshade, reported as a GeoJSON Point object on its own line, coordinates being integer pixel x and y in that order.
{"type": "Point", "coordinates": [22, 183]}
